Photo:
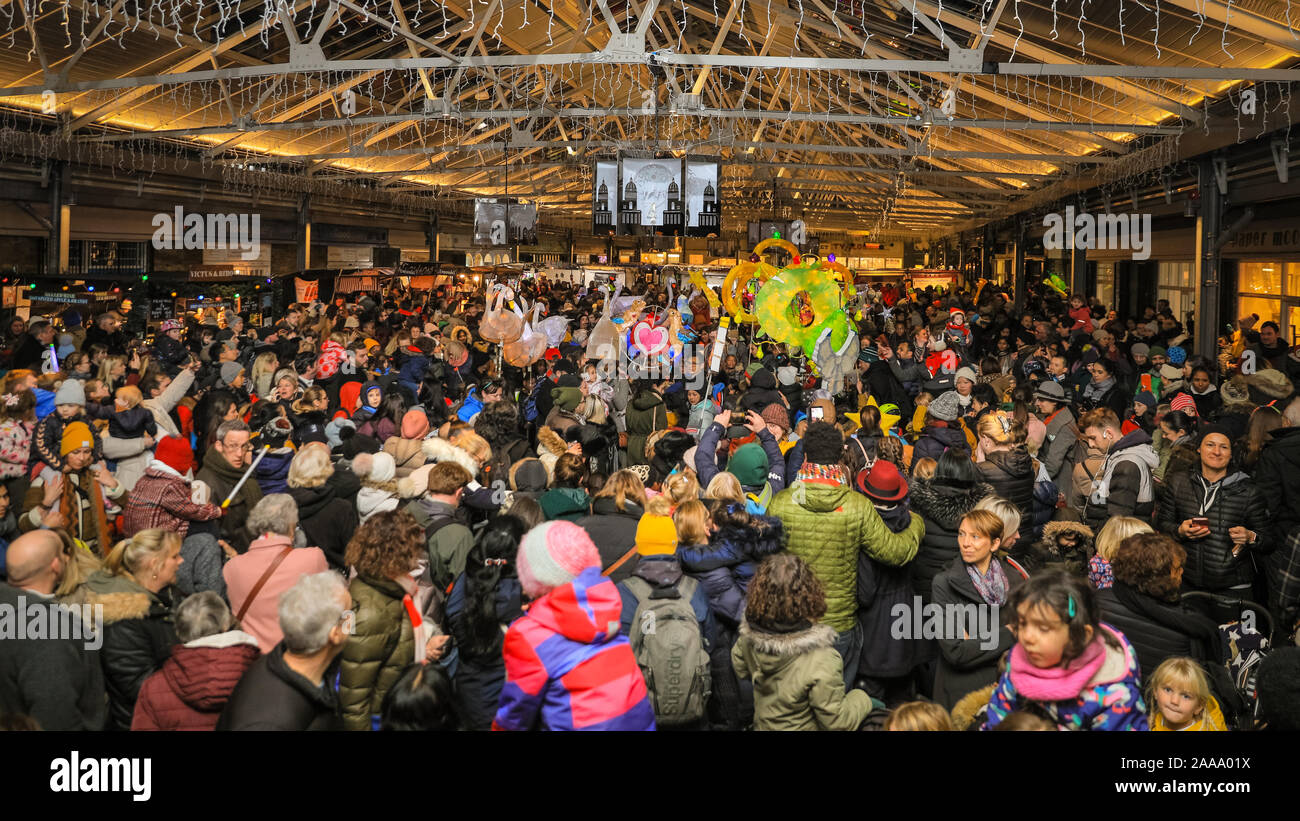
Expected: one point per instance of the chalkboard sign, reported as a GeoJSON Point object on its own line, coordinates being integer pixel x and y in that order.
{"type": "Point", "coordinates": [160, 309]}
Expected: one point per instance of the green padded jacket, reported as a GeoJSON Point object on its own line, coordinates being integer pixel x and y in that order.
{"type": "Point", "coordinates": [379, 649]}
{"type": "Point", "coordinates": [827, 528]}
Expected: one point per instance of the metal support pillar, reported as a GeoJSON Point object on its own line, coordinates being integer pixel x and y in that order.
{"type": "Point", "coordinates": [1207, 261]}
{"type": "Point", "coordinates": [1020, 285]}
{"type": "Point", "coordinates": [304, 234]}
{"type": "Point", "coordinates": [56, 248]}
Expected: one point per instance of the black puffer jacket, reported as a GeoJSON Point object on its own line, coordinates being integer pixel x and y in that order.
{"type": "Point", "coordinates": [1011, 474]}
{"type": "Point", "coordinates": [1158, 630]}
{"type": "Point", "coordinates": [138, 638]}
{"type": "Point", "coordinates": [941, 507]}
{"type": "Point", "coordinates": [965, 664]}
{"type": "Point", "coordinates": [328, 521]}
{"type": "Point", "coordinates": [613, 531]}
{"type": "Point", "coordinates": [1210, 563]}
{"type": "Point", "coordinates": [1278, 466]}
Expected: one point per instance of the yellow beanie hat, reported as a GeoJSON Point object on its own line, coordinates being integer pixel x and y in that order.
{"type": "Point", "coordinates": [656, 535]}
{"type": "Point", "coordinates": [75, 435]}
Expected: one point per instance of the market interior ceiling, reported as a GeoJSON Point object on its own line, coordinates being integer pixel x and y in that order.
{"type": "Point", "coordinates": [888, 116]}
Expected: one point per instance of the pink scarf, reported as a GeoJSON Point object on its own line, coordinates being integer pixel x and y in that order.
{"type": "Point", "coordinates": [1056, 683]}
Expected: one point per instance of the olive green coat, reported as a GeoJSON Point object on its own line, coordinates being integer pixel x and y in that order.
{"type": "Point", "coordinates": [645, 414]}
{"type": "Point", "coordinates": [380, 647]}
{"type": "Point", "coordinates": [828, 528]}
{"type": "Point", "coordinates": [798, 680]}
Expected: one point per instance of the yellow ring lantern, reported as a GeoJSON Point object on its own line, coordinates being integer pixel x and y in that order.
{"type": "Point", "coordinates": [785, 245]}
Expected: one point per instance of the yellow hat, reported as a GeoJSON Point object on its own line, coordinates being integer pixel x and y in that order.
{"type": "Point", "coordinates": [76, 435]}
{"type": "Point", "coordinates": [656, 536]}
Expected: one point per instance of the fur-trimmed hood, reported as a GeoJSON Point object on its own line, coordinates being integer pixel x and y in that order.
{"type": "Point", "coordinates": [121, 598]}
{"type": "Point", "coordinates": [548, 441]}
{"type": "Point", "coordinates": [1052, 529]}
{"type": "Point", "coordinates": [945, 505]}
{"type": "Point", "coordinates": [440, 450]}
{"type": "Point", "coordinates": [776, 649]}
{"type": "Point", "coordinates": [968, 707]}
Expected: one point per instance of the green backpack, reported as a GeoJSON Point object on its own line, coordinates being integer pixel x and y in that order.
{"type": "Point", "coordinates": [666, 641]}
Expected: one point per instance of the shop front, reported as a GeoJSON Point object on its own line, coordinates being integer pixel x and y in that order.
{"type": "Point", "coordinates": [1265, 256]}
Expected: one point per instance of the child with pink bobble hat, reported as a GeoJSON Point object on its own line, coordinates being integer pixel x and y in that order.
{"type": "Point", "coordinates": [567, 666]}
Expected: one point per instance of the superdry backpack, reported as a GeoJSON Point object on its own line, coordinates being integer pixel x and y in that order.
{"type": "Point", "coordinates": [666, 641]}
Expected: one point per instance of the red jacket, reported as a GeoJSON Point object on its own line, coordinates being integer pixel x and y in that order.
{"type": "Point", "coordinates": [192, 687]}
{"type": "Point", "coordinates": [162, 499]}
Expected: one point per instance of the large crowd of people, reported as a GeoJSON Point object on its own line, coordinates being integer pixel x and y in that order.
{"type": "Point", "coordinates": [374, 515]}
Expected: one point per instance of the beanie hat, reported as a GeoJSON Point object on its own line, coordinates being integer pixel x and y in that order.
{"type": "Point", "coordinates": [775, 414]}
{"type": "Point", "coordinates": [1140, 349]}
{"type": "Point", "coordinates": [566, 399]}
{"type": "Point", "coordinates": [71, 392]}
{"type": "Point", "coordinates": [1157, 350]}
{"type": "Point", "coordinates": [823, 444]}
{"type": "Point", "coordinates": [1184, 402]}
{"type": "Point", "coordinates": [1171, 374]}
{"type": "Point", "coordinates": [787, 374]}
{"type": "Point", "coordinates": [749, 465]}
{"type": "Point", "coordinates": [382, 467]}
{"type": "Point", "coordinates": [75, 435]}
{"type": "Point", "coordinates": [529, 475]}
{"type": "Point", "coordinates": [71, 318]}
{"type": "Point", "coordinates": [175, 453]}
{"type": "Point", "coordinates": [945, 407]}
{"type": "Point", "coordinates": [763, 380]}
{"type": "Point", "coordinates": [553, 554]}
{"type": "Point", "coordinates": [415, 424]}
{"type": "Point", "coordinates": [354, 443]}
{"type": "Point", "coordinates": [66, 345]}
{"type": "Point", "coordinates": [1177, 355]}
{"type": "Point", "coordinates": [1146, 398]}
{"type": "Point", "coordinates": [1222, 430]}
{"type": "Point", "coordinates": [334, 430]}
{"type": "Point", "coordinates": [966, 372]}
{"type": "Point", "coordinates": [230, 371]}
{"type": "Point", "coordinates": [656, 535]}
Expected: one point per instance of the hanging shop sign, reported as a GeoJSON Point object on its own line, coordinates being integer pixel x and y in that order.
{"type": "Point", "coordinates": [1266, 236]}
{"type": "Point", "coordinates": [224, 273]}
{"type": "Point", "coordinates": [52, 302]}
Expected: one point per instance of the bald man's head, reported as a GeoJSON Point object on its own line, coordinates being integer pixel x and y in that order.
{"type": "Point", "coordinates": [30, 560]}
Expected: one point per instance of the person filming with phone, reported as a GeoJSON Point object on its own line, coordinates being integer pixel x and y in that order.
{"type": "Point", "coordinates": [1217, 514]}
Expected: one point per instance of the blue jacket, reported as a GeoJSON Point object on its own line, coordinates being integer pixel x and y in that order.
{"type": "Point", "coordinates": [272, 472]}
{"type": "Point", "coordinates": [411, 373]}
{"type": "Point", "coordinates": [726, 565]}
{"type": "Point", "coordinates": [706, 466]}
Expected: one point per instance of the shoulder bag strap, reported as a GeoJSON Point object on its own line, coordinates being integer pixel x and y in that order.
{"type": "Point", "coordinates": [257, 588]}
{"type": "Point", "coordinates": [616, 565]}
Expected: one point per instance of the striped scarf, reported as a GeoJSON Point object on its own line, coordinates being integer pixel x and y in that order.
{"type": "Point", "coordinates": [821, 474]}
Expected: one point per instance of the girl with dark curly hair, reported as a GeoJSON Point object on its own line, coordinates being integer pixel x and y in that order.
{"type": "Point", "coordinates": [1144, 602]}
{"type": "Point", "coordinates": [798, 676]}
{"type": "Point", "coordinates": [483, 601]}
{"type": "Point", "coordinates": [386, 552]}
